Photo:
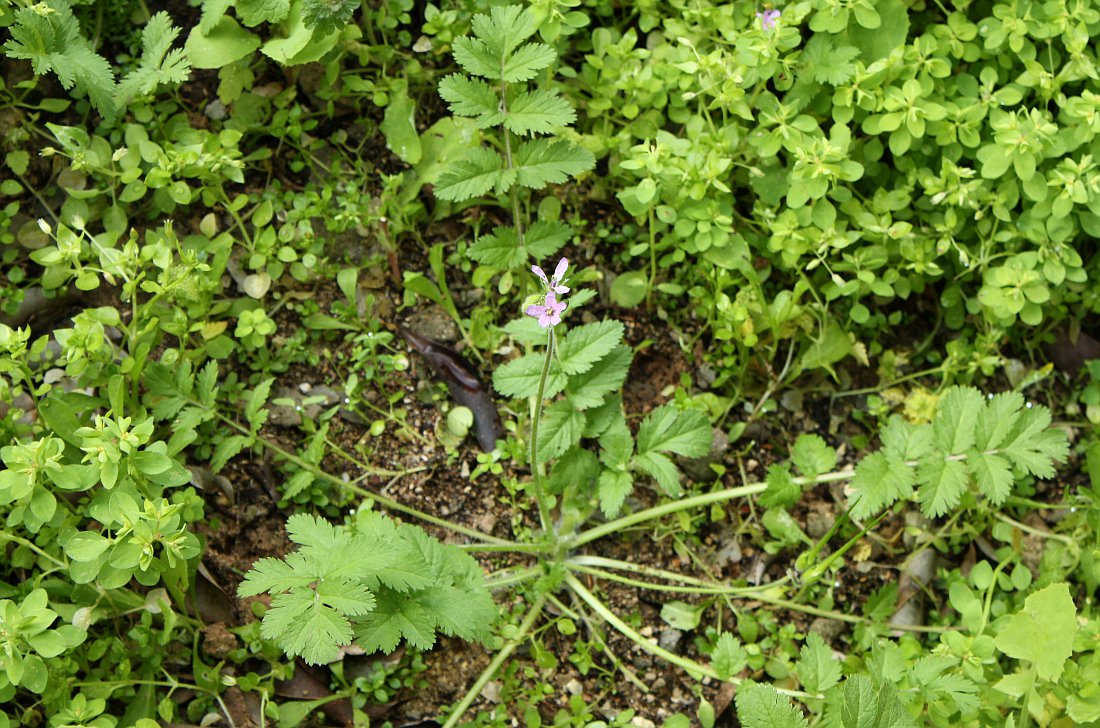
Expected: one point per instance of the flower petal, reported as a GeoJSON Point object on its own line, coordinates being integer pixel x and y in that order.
{"type": "Point", "coordinates": [563, 265]}
{"type": "Point", "coordinates": [542, 276]}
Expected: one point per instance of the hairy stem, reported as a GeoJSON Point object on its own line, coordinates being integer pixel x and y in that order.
{"type": "Point", "coordinates": [705, 499]}
{"type": "Point", "coordinates": [538, 472]}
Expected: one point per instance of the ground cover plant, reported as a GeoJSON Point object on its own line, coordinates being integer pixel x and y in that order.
{"type": "Point", "coordinates": [566, 362]}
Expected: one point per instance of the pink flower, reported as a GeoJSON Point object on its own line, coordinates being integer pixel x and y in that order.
{"type": "Point", "coordinates": [554, 284]}
{"type": "Point", "coordinates": [549, 314]}
{"type": "Point", "coordinates": [768, 18]}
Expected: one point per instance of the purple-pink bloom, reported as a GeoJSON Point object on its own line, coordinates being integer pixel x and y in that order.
{"type": "Point", "coordinates": [549, 314]}
{"type": "Point", "coordinates": [768, 18]}
{"type": "Point", "coordinates": [554, 284]}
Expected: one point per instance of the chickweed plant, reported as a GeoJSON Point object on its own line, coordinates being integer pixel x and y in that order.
{"type": "Point", "coordinates": [375, 582]}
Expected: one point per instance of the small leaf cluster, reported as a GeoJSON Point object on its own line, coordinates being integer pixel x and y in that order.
{"type": "Point", "coordinates": [374, 582]}
{"type": "Point", "coordinates": [589, 367]}
{"type": "Point", "coordinates": [27, 640]}
{"type": "Point", "coordinates": [48, 35]}
{"type": "Point", "coordinates": [973, 442]}
{"type": "Point", "coordinates": [526, 152]}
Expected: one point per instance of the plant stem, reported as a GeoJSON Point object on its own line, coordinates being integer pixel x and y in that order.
{"type": "Point", "coordinates": [691, 666]}
{"type": "Point", "coordinates": [696, 501]}
{"type": "Point", "coordinates": [537, 469]}
{"type": "Point", "coordinates": [748, 592]}
{"type": "Point", "coordinates": [1034, 531]}
{"type": "Point", "coordinates": [33, 547]}
{"type": "Point", "coordinates": [500, 658]}
{"type": "Point", "coordinates": [586, 561]}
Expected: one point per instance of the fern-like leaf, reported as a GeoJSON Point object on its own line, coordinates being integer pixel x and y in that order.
{"type": "Point", "coordinates": [470, 177]}
{"type": "Point", "coordinates": [50, 39]}
{"type": "Point", "coordinates": [327, 16]}
{"type": "Point", "coordinates": [538, 111]}
{"type": "Point", "coordinates": [973, 442]}
{"type": "Point", "coordinates": [159, 64]}
{"type": "Point", "coordinates": [541, 162]}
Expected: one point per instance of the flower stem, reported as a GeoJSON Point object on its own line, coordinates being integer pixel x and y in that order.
{"type": "Point", "coordinates": [537, 469]}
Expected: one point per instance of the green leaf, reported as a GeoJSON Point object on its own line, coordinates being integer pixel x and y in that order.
{"type": "Point", "coordinates": [868, 706]}
{"type": "Point", "coordinates": [223, 44]}
{"type": "Point", "coordinates": [328, 16]}
{"type": "Point", "coordinates": [305, 627]}
{"type": "Point", "coordinates": [399, 127]}
{"type": "Point", "coordinates": [782, 491]}
{"type": "Point", "coordinates": [546, 237]}
{"type": "Point", "coordinates": [86, 546]}
{"type": "Point", "coordinates": [761, 706]}
{"type": "Point", "coordinates": [519, 378]}
{"type": "Point", "coordinates": [629, 289]}
{"type": "Point", "coordinates": [506, 27]}
{"type": "Point", "coordinates": [472, 97]}
{"type": "Point", "coordinates": [662, 470]}
{"type": "Point", "coordinates": [527, 61]}
{"type": "Point", "coordinates": [538, 111]}
{"type": "Point", "coordinates": [225, 450]}
{"type": "Point", "coordinates": [52, 41]}
{"type": "Point", "coordinates": [476, 57]}
{"type": "Point", "coordinates": [681, 615]}
{"type": "Point", "coordinates": [470, 177]}
{"type": "Point", "coordinates": [992, 475]}
{"type": "Point", "coordinates": [604, 377]}
{"type": "Point", "coordinates": [684, 432]}
{"type": "Point", "coordinates": [729, 656]}
{"type": "Point", "coordinates": [159, 64]}
{"type": "Point", "coordinates": [956, 420]}
{"type": "Point", "coordinates": [1032, 445]}
{"type": "Point", "coordinates": [585, 345]}
{"type": "Point", "coordinates": [616, 444]}
{"type": "Point", "coordinates": [812, 456]}
{"type": "Point", "coordinates": [559, 430]}
{"type": "Point", "coordinates": [613, 487]}
{"type": "Point", "coordinates": [878, 482]}
{"type": "Point", "coordinates": [942, 483]}
{"type": "Point", "coordinates": [277, 575]}
{"type": "Point", "coordinates": [817, 668]}
{"type": "Point", "coordinates": [1042, 632]}
{"type": "Point", "coordinates": [392, 620]}
{"type": "Point", "coordinates": [541, 162]}
{"type": "Point", "coordinates": [500, 249]}
{"type": "Point", "coordinates": [254, 12]}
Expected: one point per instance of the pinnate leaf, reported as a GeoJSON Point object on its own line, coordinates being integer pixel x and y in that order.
{"type": "Point", "coordinates": [684, 432]}
{"type": "Point", "coordinates": [606, 376]}
{"type": "Point", "coordinates": [542, 162]}
{"type": "Point", "coordinates": [956, 420]}
{"type": "Point", "coordinates": [761, 706]}
{"type": "Point", "coordinates": [520, 377]}
{"type": "Point", "coordinates": [538, 111]}
{"type": "Point", "coordinates": [471, 97]}
{"type": "Point", "coordinates": [585, 345]}
{"type": "Point", "coordinates": [817, 668]}
{"type": "Point", "coordinates": [254, 12]}
{"type": "Point", "coordinates": [527, 61]}
{"type": "Point", "coordinates": [868, 706]}
{"type": "Point", "coordinates": [812, 456]}
{"type": "Point", "coordinates": [475, 175]}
